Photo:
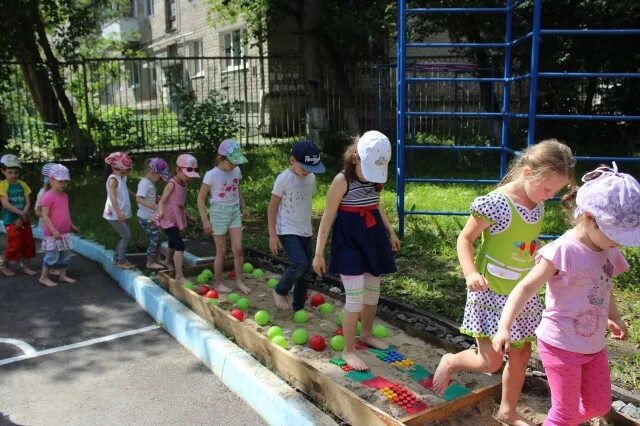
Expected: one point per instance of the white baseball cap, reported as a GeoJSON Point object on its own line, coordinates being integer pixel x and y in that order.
{"type": "Point", "coordinates": [374, 150]}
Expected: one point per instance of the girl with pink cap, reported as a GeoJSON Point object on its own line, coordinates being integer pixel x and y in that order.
{"type": "Point", "coordinates": [117, 208]}
{"type": "Point", "coordinates": [171, 216]}
{"type": "Point", "coordinates": [578, 268]}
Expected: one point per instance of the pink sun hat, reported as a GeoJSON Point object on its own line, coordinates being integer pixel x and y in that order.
{"type": "Point", "coordinates": [188, 164]}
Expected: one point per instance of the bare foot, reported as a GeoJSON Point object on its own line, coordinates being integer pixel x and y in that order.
{"type": "Point", "coordinates": [125, 265]}
{"type": "Point", "coordinates": [442, 376]}
{"type": "Point", "coordinates": [29, 271]}
{"type": "Point", "coordinates": [373, 342]}
{"type": "Point", "coordinates": [221, 288]}
{"type": "Point", "coordinates": [281, 301]}
{"type": "Point", "coordinates": [154, 265]}
{"type": "Point", "coordinates": [54, 272]}
{"type": "Point", "coordinates": [66, 279]}
{"type": "Point", "coordinates": [513, 419]}
{"type": "Point", "coordinates": [243, 288]}
{"type": "Point", "coordinates": [47, 282]}
{"type": "Point", "coordinates": [6, 271]}
{"type": "Point", "coordinates": [354, 361]}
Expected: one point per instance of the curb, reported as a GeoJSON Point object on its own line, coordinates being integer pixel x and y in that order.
{"type": "Point", "coordinates": [270, 396]}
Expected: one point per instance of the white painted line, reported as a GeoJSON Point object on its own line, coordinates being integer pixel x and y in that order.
{"type": "Point", "coordinates": [79, 344]}
{"type": "Point", "coordinates": [21, 344]}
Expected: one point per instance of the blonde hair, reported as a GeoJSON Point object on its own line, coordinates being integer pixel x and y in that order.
{"type": "Point", "coordinates": [547, 156]}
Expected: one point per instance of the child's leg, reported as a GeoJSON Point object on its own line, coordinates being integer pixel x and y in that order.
{"type": "Point", "coordinates": [63, 264]}
{"type": "Point", "coordinates": [370, 305]}
{"type": "Point", "coordinates": [153, 242]}
{"type": "Point", "coordinates": [595, 398]}
{"type": "Point", "coordinates": [28, 247]}
{"type": "Point", "coordinates": [13, 250]}
{"type": "Point", "coordinates": [218, 263]}
{"type": "Point", "coordinates": [49, 260]}
{"type": "Point", "coordinates": [235, 234]}
{"type": "Point", "coordinates": [177, 244]}
{"type": "Point", "coordinates": [353, 288]}
{"type": "Point", "coordinates": [512, 381]}
{"type": "Point", "coordinates": [483, 360]}
{"type": "Point", "coordinates": [122, 228]}
{"type": "Point", "coordinates": [295, 249]}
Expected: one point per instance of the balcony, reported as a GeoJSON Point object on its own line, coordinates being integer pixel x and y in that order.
{"type": "Point", "coordinates": [126, 29]}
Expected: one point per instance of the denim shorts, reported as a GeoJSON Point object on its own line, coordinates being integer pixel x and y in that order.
{"type": "Point", "coordinates": [225, 217]}
{"type": "Point", "coordinates": [57, 259]}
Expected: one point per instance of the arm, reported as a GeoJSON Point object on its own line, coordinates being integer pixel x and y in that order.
{"type": "Point", "coordinates": [464, 247]}
{"type": "Point", "coordinates": [395, 241]}
{"type": "Point", "coordinates": [272, 210]}
{"type": "Point", "coordinates": [519, 297]}
{"type": "Point", "coordinates": [168, 189]}
{"type": "Point", "coordinates": [202, 196]}
{"type": "Point", "coordinates": [47, 221]}
{"type": "Point", "coordinates": [113, 185]}
{"type": "Point", "coordinates": [617, 325]}
{"type": "Point", "coordinates": [8, 206]}
{"type": "Point", "coordinates": [144, 202]}
{"type": "Point", "coordinates": [243, 205]}
{"type": "Point", "coordinates": [334, 196]}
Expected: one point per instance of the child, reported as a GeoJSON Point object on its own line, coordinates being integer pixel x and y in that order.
{"type": "Point", "coordinates": [223, 184]}
{"type": "Point", "coordinates": [45, 187]}
{"type": "Point", "coordinates": [14, 194]}
{"type": "Point", "coordinates": [117, 209]}
{"type": "Point", "coordinates": [289, 218]}
{"type": "Point", "coordinates": [171, 216]}
{"type": "Point", "coordinates": [146, 196]}
{"type": "Point", "coordinates": [509, 220]}
{"type": "Point", "coordinates": [363, 239]}
{"type": "Point", "coordinates": [578, 268]}
{"type": "Point", "coordinates": [56, 243]}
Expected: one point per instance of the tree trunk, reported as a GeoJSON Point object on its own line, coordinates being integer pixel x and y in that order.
{"type": "Point", "coordinates": [316, 113]}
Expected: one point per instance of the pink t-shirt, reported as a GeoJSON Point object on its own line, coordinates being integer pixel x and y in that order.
{"type": "Point", "coordinates": [577, 298]}
{"type": "Point", "coordinates": [58, 203]}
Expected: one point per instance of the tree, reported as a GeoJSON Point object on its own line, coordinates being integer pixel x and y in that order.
{"type": "Point", "coordinates": [38, 35]}
{"type": "Point", "coordinates": [329, 32]}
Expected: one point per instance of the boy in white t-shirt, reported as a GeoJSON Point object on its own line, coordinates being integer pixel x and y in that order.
{"type": "Point", "coordinates": [289, 218]}
{"type": "Point", "coordinates": [147, 198]}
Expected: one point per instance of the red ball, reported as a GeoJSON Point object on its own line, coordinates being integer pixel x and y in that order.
{"type": "Point", "coordinates": [317, 300]}
{"type": "Point", "coordinates": [237, 314]}
{"type": "Point", "coordinates": [232, 274]}
{"type": "Point", "coordinates": [339, 331]}
{"type": "Point", "coordinates": [317, 343]}
{"type": "Point", "coordinates": [202, 290]}
{"type": "Point", "coordinates": [211, 294]}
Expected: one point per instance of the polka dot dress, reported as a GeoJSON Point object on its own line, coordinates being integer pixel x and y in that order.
{"type": "Point", "coordinates": [495, 208]}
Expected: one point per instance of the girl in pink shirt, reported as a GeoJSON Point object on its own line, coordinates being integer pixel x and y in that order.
{"type": "Point", "coordinates": [578, 268]}
{"type": "Point", "coordinates": [56, 243]}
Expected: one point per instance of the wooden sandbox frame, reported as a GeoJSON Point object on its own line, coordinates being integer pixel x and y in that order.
{"type": "Point", "coordinates": [302, 375]}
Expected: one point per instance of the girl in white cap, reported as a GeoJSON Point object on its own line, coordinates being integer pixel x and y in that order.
{"type": "Point", "coordinates": [363, 240]}
{"type": "Point", "coordinates": [45, 187]}
{"type": "Point", "coordinates": [578, 268]}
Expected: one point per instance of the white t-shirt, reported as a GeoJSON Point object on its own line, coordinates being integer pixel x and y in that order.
{"type": "Point", "coordinates": [122, 196]}
{"type": "Point", "coordinates": [146, 190]}
{"type": "Point", "coordinates": [224, 186]}
{"type": "Point", "coordinates": [294, 212]}
{"type": "Point", "coordinates": [41, 193]}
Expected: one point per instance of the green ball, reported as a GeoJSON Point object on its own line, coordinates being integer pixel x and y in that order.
{"type": "Point", "coordinates": [214, 301]}
{"type": "Point", "coordinates": [257, 273]}
{"type": "Point", "coordinates": [247, 267]}
{"type": "Point", "coordinates": [233, 297]}
{"type": "Point", "coordinates": [358, 328]}
{"type": "Point", "coordinates": [380, 331]}
{"type": "Point", "coordinates": [274, 331]}
{"type": "Point", "coordinates": [202, 278]}
{"type": "Point", "coordinates": [243, 303]}
{"type": "Point", "coordinates": [337, 343]}
{"type": "Point", "coordinates": [261, 317]}
{"type": "Point", "coordinates": [188, 285]}
{"type": "Point", "coordinates": [301, 316]}
{"type": "Point", "coordinates": [339, 319]}
{"type": "Point", "coordinates": [272, 283]}
{"type": "Point", "coordinates": [207, 273]}
{"type": "Point", "coordinates": [300, 336]}
{"type": "Point", "coordinates": [325, 308]}
{"type": "Point", "coordinates": [280, 341]}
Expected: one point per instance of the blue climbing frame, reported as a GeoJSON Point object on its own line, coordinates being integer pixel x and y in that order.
{"type": "Point", "coordinates": [403, 80]}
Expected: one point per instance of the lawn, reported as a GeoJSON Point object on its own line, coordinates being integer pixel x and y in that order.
{"type": "Point", "coordinates": [428, 276]}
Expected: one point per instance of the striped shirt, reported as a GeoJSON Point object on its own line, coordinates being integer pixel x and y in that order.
{"type": "Point", "coordinates": [360, 194]}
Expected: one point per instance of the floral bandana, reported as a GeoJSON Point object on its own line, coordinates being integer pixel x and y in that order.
{"type": "Point", "coordinates": [119, 160]}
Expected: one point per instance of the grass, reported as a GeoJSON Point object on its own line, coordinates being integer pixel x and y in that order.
{"type": "Point", "coordinates": [429, 275]}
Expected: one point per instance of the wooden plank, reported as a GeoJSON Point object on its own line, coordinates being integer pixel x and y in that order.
{"type": "Point", "coordinates": [198, 304]}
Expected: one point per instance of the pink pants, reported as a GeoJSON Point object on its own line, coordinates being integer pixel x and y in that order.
{"type": "Point", "coordinates": [580, 385]}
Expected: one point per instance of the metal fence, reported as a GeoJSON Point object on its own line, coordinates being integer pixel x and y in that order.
{"type": "Point", "coordinates": [135, 103]}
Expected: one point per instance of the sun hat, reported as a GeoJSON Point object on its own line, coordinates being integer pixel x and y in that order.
{"type": "Point", "coordinates": [188, 164]}
{"type": "Point", "coordinates": [230, 149]}
{"type": "Point", "coordinates": [59, 172]}
{"type": "Point", "coordinates": [613, 198]}
{"type": "Point", "coordinates": [374, 150]}
{"type": "Point", "coordinates": [308, 155]}
{"type": "Point", "coordinates": [159, 166]}
{"type": "Point", "coordinates": [119, 160]}
{"type": "Point", "coordinates": [10, 161]}
{"type": "Point", "coordinates": [46, 168]}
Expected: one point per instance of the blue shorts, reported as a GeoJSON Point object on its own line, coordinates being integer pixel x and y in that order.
{"type": "Point", "coordinates": [57, 259]}
{"type": "Point", "coordinates": [224, 217]}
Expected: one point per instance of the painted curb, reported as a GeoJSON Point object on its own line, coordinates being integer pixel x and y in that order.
{"type": "Point", "coordinates": [270, 396]}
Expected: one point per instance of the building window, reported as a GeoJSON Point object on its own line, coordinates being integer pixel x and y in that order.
{"type": "Point", "coordinates": [134, 74]}
{"type": "Point", "coordinates": [197, 53]}
{"type": "Point", "coordinates": [234, 49]}
{"type": "Point", "coordinates": [148, 7]}
{"type": "Point", "coordinates": [171, 13]}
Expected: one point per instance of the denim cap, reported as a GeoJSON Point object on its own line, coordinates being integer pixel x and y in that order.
{"type": "Point", "coordinates": [159, 166]}
{"type": "Point", "coordinates": [59, 172]}
{"type": "Point", "coordinates": [308, 155]}
{"type": "Point", "coordinates": [374, 150]}
{"type": "Point", "coordinates": [230, 149]}
{"type": "Point", "coordinates": [613, 198]}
